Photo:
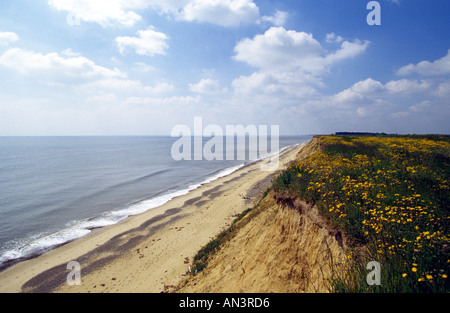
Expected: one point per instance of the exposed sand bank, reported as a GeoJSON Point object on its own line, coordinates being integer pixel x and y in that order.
{"type": "Point", "coordinates": [286, 246]}
{"type": "Point", "coordinates": [150, 251]}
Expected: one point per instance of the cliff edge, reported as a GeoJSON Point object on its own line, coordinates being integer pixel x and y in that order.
{"type": "Point", "coordinates": [283, 246]}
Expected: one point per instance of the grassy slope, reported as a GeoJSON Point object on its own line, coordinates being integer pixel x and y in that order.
{"type": "Point", "coordinates": [390, 194]}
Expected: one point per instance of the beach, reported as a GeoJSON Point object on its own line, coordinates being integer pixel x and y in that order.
{"type": "Point", "coordinates": [149, 252]}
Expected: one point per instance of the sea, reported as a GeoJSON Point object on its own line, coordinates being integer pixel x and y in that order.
{"type": "Point", "coordinates": [54, 190]}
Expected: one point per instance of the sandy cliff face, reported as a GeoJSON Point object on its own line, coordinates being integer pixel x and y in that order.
{"type": "Point", "coordinates": [286, 248]}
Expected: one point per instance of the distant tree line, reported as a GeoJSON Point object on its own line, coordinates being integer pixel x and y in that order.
{"type": "Point", "coordinates": [360, 133]}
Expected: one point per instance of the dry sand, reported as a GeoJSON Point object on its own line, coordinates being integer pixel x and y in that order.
{"type": "Point", "coordinates": [151, 251]}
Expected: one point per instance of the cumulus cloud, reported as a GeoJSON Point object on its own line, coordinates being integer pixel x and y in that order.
{"type": "Point", "coordinates": [107, 13]}
{"type": "Point", "coordinates": [373, 89]}
{"type": "Point", "coordinates": [403, 103]}
{"type": "Point", "coordinates": [289, 63]}
{"type": "Point", "coordinates": [286, 85]}
{"type": "Point", "coordinates": [367, 86]}
{"type": "Point", "coordinates": [221, 12]}
{"type": "Point", "coordinates": [427, 68]}
{"type": "Point", "coordinates": [359, 91]}
{"type": "Point", "coordinates": [56, 67]}
{"type": "Point", "coordinates": [104, 12]}
{"type": "Point", "coordinates": [8, 37]}
{"type": "Point", "coordinates": [406, 86]}
{"type": "Point", "coordinates": [226, 13]}
{"type": "Point", "coordinates": [348, 50]}
{"type": "Point", "coordinates": [78, 96]}
{"type": "Point", "coordinates": [148, 42]}
{"type": "Point", "coordinates": [205, 86]}
{"type": "Point", "coordinates": [72, 69]}
{"type": "Point", "coordinates": [281, 49]}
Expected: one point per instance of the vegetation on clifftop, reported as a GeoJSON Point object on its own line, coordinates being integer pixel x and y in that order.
{"type": "Point", "coordinates": [391, 197]}
{"type": "Point", "coordinates": [205, 253]}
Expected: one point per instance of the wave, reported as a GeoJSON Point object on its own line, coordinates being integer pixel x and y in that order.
{"type": "Point", "coordinates": [139, 179]}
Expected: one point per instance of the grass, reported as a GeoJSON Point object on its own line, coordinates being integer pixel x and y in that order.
{"type": "Point", "coordinates": [390, 195]}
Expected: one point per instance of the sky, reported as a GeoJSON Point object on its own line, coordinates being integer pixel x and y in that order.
{"type": "Point", "coordinates": [137, 67]}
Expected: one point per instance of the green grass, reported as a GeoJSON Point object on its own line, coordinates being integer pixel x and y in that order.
{"type": "Point", "coordinates": [390, 196]}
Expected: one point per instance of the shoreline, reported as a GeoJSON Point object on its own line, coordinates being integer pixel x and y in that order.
{"type": "Point", "coordinates": [151, 250]}
{"type": "Point", "coordinates": [83, 225]}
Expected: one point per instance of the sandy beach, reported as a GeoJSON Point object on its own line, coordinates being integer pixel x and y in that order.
{"type": "Point", "coordinates": [150, 252]}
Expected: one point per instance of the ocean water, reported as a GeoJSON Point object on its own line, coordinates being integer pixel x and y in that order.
{"type": "Point", "coordinates": [54, 190]}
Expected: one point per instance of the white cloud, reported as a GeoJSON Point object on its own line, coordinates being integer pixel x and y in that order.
{"type": "Point", "coordinates": [368, 86]}
{"type": "Point", "coordinates": [77, 77]}
{"type": "Point", "coordinates": [359, 91]}
{"type": "Point", "coordinates": [348, 50]}
{"type": "Point", "coordinates": [220, 12]}
{"type": "Point", "coordinates": [226, 13]}
{"type": "Point", "coordinates": [427, 68]}
{"type": "Point", "coordinates": [278, 19]}
{"type": "Point", "coordinates": [8, 37]}
{"type": "Point", "coordinates": [55, 67]}
{"type": "Point", "coordinates": [333, 38]}
{"type": "Point", "coordinates": [290, 64]}
{"type": "Point", "coordinates": [281, 49]}
{"type": "Point", "coordinates": [373, 89]}
{"type": "Point", "coordinates": [443, 90]}
{"type": "Point", "coordinates": [171, 7]}
{"type": "Point", "coordinates": [395, 106]}
{"type": "Point", "coordinates": [162, 88]}
{"type": "Point", "coordinates": [252, 84]}
{"type": "Point", "coordinates": [205, 86]}
{"type": "Point", "coordinates": [123, 12]}
{"type": "Point", "coordinates": [406, 86]}
{"type": "Point", "coordinates": [287, 85]}
{"type": "Point", "coordinates": [104, 12]}
{"type": "Point", "coordinates": [148, 42]}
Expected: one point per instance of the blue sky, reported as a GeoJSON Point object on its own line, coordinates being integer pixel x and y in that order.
{"type": "Point", "coordinates": [136, 67]}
